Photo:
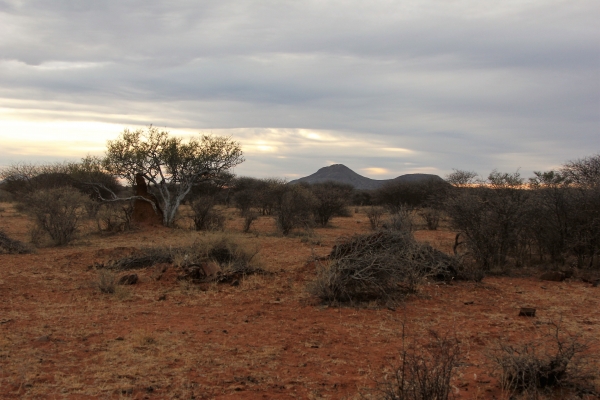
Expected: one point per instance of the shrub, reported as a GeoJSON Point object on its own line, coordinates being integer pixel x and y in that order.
{"type": "Point", "coordinates": [400, 220]}
{"type": "Point", "coordinates": [395, 195]}
{"type": "Point", "coordinates": [114, 216]}
{"type": "Point", "coordinates": [205, 216]}
{"type": "Point", "coordinates": [249, 218]}
{"type": "Point", "coordinates": [294, 209]}
{"type": "Point", "coordinates": [107, 282]}
{"type": "Point", "coordinates": [492, 218]}
{"type": "Point", "coordinates": [375, 215]}
{"type": "Point", "coordinates": [559, 360]}
{"type": "Point", "coordinates": [381, 266]}
{"type": "Point", "coordinates": [235, 260]}
{"type": "Point", "coordinates": [58, 212]}
{"type": "Point", "coordinates": [331, 199]}
{"type": "Point", "coordinates": [431, 217]}
{"type": "Point", "coordinates": [425, 371]}
{"type": "Point", "coordinates": [11, 246]}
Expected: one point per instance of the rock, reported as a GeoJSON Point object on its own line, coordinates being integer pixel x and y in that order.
{"type": "Point", "coordinates": [527, 312]}
{"type": "Point", "coordinates": [162, 297]}
{"type": "Point", "coordinates": [130, 279]}
{"type": "Point", "coordinates": [554, 276]}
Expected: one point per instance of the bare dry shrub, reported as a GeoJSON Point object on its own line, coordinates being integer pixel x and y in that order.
{"type": "Point", "coordinates": [381, 266]}
{"type": "Point", "coordinates": [58, 212]}
{"type": "Point", "coordinates": [295, 209]}
{"type": "Point", "coordinates": [559, 360]}
{"type": "Point", "coordinates": [425, 371]}
{"type": "Point", "coordinates": [249, 218]}
{"type": "Point", "coordinates": [115, 217]}
{"type": "Point", "coordinates": [432, 218]}
{"type": "Point", "coordinates": [375, 215]}
{"type": "Point", "coordinates": [205, 216]}
{"type": "Point", "coordinates": [12, 246]}
{"type": "Point", "coordinates": [144, 258]}
{"type": "Point", "coordinates": [107, 282]}
{"type": "Point", "coordinates": [235, 259]}
{"type": "Point", "coordinates": [400, 220]}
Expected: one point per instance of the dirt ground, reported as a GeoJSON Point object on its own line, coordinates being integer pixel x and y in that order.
{"type": "Point", "coordinates": [267, 338]}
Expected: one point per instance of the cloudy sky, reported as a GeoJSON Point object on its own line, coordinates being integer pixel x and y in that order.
{"type": "Point", "coordinates": [384, 87]}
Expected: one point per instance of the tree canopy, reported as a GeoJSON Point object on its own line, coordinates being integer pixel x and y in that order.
{"type": "Point", "coordinates": [170, 165]}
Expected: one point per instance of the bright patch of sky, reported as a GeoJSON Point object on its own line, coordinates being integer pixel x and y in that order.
{"type": "Point", "coordinates": [385, 88]}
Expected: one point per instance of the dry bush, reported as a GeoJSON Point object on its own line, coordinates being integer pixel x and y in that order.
{"type": "Point", "coordinates": [107, 282]}
{"type": "Point", "coordinates": [205, 216]}
{"type": "Point", "coordinates": [380, 266]}
{"type": "Point", "coordinates": [558, 360]}
{"type": "Point", "coordinates": [295, 209]}
{"type": "Point", "coordinates": [249, 218]}
{"type": "Point", "coordinates": [432, 218]}
{"type": "Point", "coordinates": [114, 217]}
{"type": "Point", "coordinates": [11, 246]}
{"type": "Point", "coordinates": [6, 197]}
{"type": "Point", "coordinates": [400, 220]}
{"type": "Point", "coordinates": [223, 249]}
{"type": "Point", "coordinates": [375, 215]}
{"type": "Point", "coordinates": [234, 258]}
{"type": "Point", "coordinates": [144, 258]}
{"type": "Point", "coordinates": [425, 371]}
{"type": "Point", "coordinates": [58, 212]}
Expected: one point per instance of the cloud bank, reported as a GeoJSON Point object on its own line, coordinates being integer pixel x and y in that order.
{"type": "Point", "coordinates": [383, 87]}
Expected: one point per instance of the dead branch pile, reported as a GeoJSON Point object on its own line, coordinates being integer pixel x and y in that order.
{"type": "Point", "coordinates": [379, 266]}
{"type": "Point", "coordinates": [12, 246]}
{"type": "Point", "coordinates": [146, 258]}
{"type": "Point", "coordinates": [217, 259]}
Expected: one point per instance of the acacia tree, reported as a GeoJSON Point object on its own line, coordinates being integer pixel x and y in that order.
{"type": "Point", "coordinates": [170, 165]}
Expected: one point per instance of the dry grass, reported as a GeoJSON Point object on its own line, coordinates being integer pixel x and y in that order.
{"type": "Point", "coordinates": [60, 337]}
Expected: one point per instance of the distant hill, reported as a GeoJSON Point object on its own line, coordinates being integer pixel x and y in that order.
{"type": "Point", "coordinates": [342, 174]}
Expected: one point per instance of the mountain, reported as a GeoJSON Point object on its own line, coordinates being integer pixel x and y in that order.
{"type": "Point", "coordinates": [342, 174]}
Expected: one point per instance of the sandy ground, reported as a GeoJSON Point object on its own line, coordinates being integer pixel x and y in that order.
{"type": "Point", "coordinates": [267, 338]}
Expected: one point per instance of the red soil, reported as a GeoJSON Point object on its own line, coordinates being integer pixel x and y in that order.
{"type": "Point", "coordinates": [60, 337]}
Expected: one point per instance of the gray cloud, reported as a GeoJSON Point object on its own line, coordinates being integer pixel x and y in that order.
{"type": "Point", "coordinates": [465, 84]}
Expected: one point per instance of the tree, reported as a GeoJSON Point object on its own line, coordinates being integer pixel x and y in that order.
{"type": "Point", "coordinates": [331, 199]}
{"type": "Point", "coordinates": [170, 165]}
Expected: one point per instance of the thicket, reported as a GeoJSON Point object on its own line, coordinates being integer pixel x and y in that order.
{"type": "Point", "coordinates": [505, 221]}
{"type": "Point", "coordinates": [425, 370]}
{"type": "Point", "coordinates": [559, 360]}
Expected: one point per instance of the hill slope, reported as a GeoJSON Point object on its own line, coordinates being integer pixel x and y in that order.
{"type": "Point", "coordinates": [342, 174]}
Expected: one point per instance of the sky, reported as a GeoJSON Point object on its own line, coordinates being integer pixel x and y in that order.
{"type": "Point", "coordinates": [385, 87]}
